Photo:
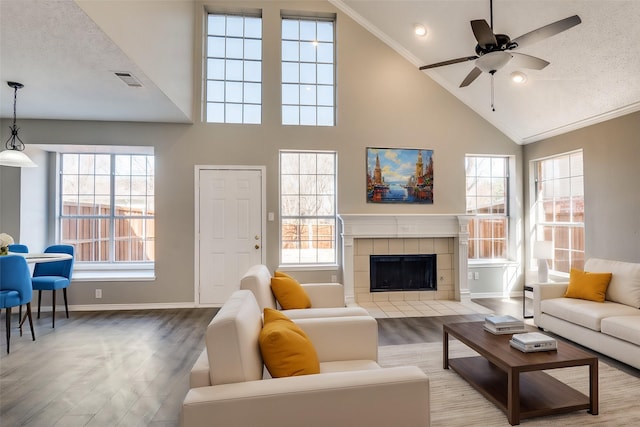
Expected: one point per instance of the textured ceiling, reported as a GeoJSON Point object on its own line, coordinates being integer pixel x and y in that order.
{"type": "Point", "coordinates": [65, 53]}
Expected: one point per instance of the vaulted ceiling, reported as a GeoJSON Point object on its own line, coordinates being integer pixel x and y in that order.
{"type": "Point", "coordinates": [66, 52]}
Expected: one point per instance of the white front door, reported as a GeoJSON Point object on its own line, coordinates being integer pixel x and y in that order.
{"type": "Point", "coordinates": [229, 230]}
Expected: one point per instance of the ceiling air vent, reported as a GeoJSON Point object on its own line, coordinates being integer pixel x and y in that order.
{"type": "Point", "coordinates": [129, 79]}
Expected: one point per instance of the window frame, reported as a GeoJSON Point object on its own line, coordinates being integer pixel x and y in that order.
{"type": "Point", "coordinates": [225, 104]}
{"type": "Point", "coordinates": [317, 107]}
{"type": "Point", "coordinates": [109, 269]}
{"type": "Point", "coordinates": [333, 217]}
{"type": "Point", "coordinates": [505, 217]}
{"type": "Point", "coordinates": [576, 257]}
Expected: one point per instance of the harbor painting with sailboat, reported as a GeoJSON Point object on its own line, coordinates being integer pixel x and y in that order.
{"type": "Point", "coordinates": [399, 175]}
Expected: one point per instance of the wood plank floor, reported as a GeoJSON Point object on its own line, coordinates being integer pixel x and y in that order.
{"type": "Point", "coordinates": [116, 368]}
{"type": "Point", "coordinates": [130, 368]}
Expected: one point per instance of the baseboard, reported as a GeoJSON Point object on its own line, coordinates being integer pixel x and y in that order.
{"type": "Point", "coordinates": [116, 307]}
{"type": "Point", "coordinates": [480, 295]}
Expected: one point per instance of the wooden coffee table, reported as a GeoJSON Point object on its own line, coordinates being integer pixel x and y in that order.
{"type": "Point", "coordinates": [514, 380]}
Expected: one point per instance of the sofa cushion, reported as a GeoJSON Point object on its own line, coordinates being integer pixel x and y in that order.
{"type": "Point", "coordinates": [313, 313]}
{"type": "Point", "coordinates": [289, 293]}
{"type": "Point", "coordinates": [583, 312]}
{"type": "Point", "coordinates": [286, 349]}
{"type": "Point", "coordinates": [624, 327]}
{"type": "Point", "coordinates": [624, 287]}
{"type": "Point", "coordinates": [587, 285]}
{"type": "Point", "coordinates": [237, 324]}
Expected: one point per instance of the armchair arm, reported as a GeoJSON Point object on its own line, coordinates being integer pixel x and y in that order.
{"type": "Point", "coordinates": [542, 291]}
{"type": "Point", "coordinates": [342, 338]}
{"type": "Point", "coordinates": [325, 295]}
{"type": "Point", "coordinates": [380, 397]}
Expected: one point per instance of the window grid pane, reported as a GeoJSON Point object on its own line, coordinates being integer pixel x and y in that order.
{"type": "Point", "coordinates": [308, 207]}
{"type": "Point", "coordinates": [107, 207]}
{"type": "Point", "coordinates": [234, 69]}
{"type": "Point", "coordinates": [487, 182]}
{"type": "Point", "coordinates": [559, 210]}
{"type": "Point", "coordinates": [308, 91]}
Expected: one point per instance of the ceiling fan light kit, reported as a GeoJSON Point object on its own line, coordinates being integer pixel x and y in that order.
{"type": "Point", "coordinates": [494, 51]}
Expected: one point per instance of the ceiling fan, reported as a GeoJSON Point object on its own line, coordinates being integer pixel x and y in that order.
{"type": "Point", "coordinates": [494, 51]}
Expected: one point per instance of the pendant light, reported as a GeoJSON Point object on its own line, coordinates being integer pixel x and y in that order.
{"type": "Point", "coordinates": [13, 155]}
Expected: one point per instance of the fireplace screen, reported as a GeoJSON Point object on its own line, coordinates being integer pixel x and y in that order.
{"type": "Point", "coordinates": [403, 273]}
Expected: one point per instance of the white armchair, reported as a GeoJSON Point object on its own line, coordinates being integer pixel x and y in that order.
{"type": "Point", "coordinates": [327, 299]}
{"type": "Point", "coordinates": [230, 387]}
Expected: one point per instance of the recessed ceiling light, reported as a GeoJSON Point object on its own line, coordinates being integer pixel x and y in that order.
{"type": "Point", "coordinates": [419, 30]}
{"type": "Point", "coordinates": [519, 77]}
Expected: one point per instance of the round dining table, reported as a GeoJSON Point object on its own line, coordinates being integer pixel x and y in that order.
{"type": "Point", "coordinates": [35, 257]}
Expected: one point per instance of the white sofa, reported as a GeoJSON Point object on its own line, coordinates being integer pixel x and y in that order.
{"type": "Point", "coordinates": [612, 327]}
{"type": "Point", "coordinates": [327, 299]}
{"type": "Point", "coordinates": [228, 386]}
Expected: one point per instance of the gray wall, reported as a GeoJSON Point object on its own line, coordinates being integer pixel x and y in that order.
{"type": "Point", "coordinates": [611, 155]}
{"type": "Point", "coordinates": [382, 101]}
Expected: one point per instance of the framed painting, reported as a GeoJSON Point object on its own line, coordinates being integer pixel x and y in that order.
{"type": "Point", "coordinates": [399, 175]}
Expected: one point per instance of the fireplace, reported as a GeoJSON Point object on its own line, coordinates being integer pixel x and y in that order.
{"type": "Point", "coordinates": [415, 272]}
{"type": "Point", "coordinates": [364, 235]}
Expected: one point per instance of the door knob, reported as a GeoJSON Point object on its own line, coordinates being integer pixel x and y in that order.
{"type": "Point", "coordinates": [257, 246]}
{"type": "Point", "coordinates": [257, 237]}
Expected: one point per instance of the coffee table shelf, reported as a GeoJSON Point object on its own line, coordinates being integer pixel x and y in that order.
{"type": "Point", "coordinates": [540, 393]}
{"type": "Point", "coordinates": [514, 381]}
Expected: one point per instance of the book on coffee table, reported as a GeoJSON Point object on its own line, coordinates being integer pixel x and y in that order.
{"type": "Point", "coordinates": [503, 325]}
{"type": "Point", "coordinates": [533, 341]}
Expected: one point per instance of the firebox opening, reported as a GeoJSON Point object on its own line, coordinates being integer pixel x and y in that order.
{"type": "Point", "coordinates": [403, 273]}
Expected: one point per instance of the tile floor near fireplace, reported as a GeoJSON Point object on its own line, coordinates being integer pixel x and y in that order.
{"type": "Point", "coordinates": [388, 309]}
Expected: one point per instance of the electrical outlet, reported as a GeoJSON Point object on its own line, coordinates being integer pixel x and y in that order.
{"type": "Point", "coordinates": [476, 276]}
{"type": "Point", "coordinates": [470, 276]}
{"type": "Point", "coordinates": [98, 293]}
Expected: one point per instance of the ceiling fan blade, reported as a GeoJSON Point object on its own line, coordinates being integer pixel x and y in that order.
{"type": "Point", "coordinates": [483, 33]}
{"type": "Point", "coordinates": [545, 32]}
{"type": "Point", "coordinates": [449, 62]}
{"type": "Point", "coordinates": [471, 77]}
{"type": "Point", "coordinates": [528, 61]}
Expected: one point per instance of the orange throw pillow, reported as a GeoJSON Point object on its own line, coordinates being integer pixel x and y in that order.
{"type": "Point", "coordinates": [286, 350]}
{"type": "Point", "coordinates": [588, 286]}
{"type": "Point", "coordinates": [288, 292]}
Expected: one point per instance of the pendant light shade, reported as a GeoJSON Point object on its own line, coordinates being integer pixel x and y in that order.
{"type": "Point", "coordinates": [13, 155]}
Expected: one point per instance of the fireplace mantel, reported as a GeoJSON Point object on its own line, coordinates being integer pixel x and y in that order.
{"type": "Point", "coordinates": [381, 226]}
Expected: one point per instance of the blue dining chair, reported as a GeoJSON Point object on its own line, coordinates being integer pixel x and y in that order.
{"type": "Point", "coordinates": [15, 289]}
{"type": "Point", "coordinates": [51, 276]}
{"type": "Point", "coordinates": [19, 248]}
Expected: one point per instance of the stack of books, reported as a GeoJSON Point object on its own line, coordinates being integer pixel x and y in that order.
{"type": "Point", "coordinates": [503, 325]}
{"type": "Point", "coordinates": [533, 341]}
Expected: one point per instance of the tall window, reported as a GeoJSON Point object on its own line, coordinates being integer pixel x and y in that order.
{"type": "Point", "coordinates": [308, 207]}
{"type": "Point", "coordinates": [234, 69]}
{"type": "Point", "coordinates": [488, 201]}
{"type": "Point", "coordinates": [308, 72]}
{"type": "Point", "coordinates": [107, 207]}
{"type": "Point", "coordinates": [560, 208]}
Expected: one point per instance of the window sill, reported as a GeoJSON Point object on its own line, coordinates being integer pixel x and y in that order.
{"type": "Point", "coordinates": [111, 273]}
{"type": "Point", "coordinates": [308, 267]}
{"type": "Point", "coordinates": [491, 263]}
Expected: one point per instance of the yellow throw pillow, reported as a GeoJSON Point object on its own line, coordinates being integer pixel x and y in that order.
{"type": "Point", "coordinates": [289, 293]}
{"type": "Point", "coordinates": [286, 349]}
{"type": "Point", "coordinates": [281, 274]}
{"type": "Point", "coordinates": [586, 285]}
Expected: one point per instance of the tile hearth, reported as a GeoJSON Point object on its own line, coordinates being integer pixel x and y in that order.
{"type": "Point", "coordinates": [390, 309]}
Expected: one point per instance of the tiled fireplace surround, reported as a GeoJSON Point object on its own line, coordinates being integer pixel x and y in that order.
{"type": "Point", "coordinates": [368, 234]}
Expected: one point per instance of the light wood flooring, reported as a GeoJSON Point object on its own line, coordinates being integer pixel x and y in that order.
{"type": "Point", "coordinates": [130, 368]}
